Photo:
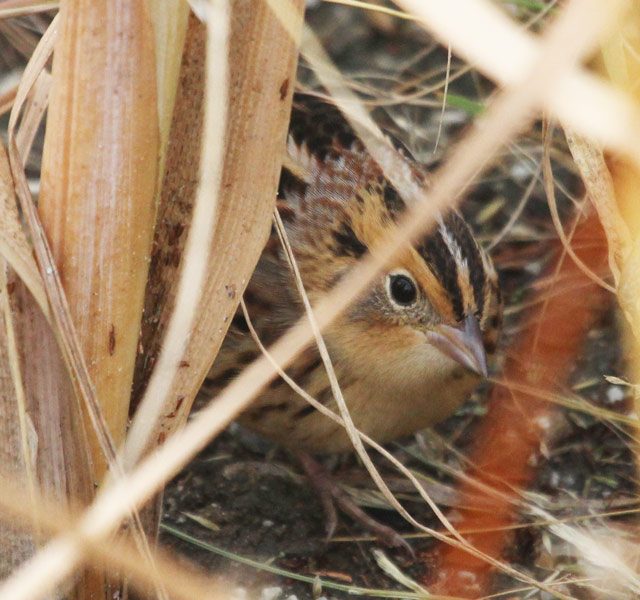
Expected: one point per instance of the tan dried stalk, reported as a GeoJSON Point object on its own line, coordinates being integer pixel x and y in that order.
{"type": "Point", "coordinates": [114, 247]}
{"type": "Point", "coordinates": [549, 188]}
{"type": "Point", "coordinates": [14, 246]}
{"type": "Point", "coordinates": [59, 441]}
{"type": "Point", "coordinates": [99, 177]}
{"type": "Point", "coordinates": [16, 545]}
{"type": "Point", "coordinates": [262, 59]}
{"type": "Point", "coordinates": [57, 438]}
{"type": "Point", "coordinates": [6, 100]}
{"type": "Point", "coordinates": [33, 112]}
{"type": "Point", "coordinates": [70, 461]}
{"type": "Point", "coordinates": [169, 20]}
{"type": "Point", "coordinates": [178, 192]}
{"type": "Point", "coordinates": [590, 160]}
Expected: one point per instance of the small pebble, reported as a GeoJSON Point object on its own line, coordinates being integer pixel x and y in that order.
{"type": "Point", "coordinates": [520, 171]}
{"type": "Point", "coordinates": [615, 394]}
{"type": "Point", "coordinates": [270, 593]}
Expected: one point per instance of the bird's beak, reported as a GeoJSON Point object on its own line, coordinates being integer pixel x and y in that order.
{"type": "Point", "coordinates": [463, 344]}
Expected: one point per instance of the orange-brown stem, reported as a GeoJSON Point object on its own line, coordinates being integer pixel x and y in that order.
{"type": "Point", "coordinates": [508, 441]}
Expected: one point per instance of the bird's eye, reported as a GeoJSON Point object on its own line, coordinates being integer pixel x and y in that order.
{"type": "Point", "coordinates": [402, 289]}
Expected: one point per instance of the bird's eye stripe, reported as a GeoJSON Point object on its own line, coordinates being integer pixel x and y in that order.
{"type": "Point", "coordinates": [477, 271]}
{"type": "Point", "coordinates": [450, 250]}
{"type": "Point", "coordinates": [442, 263]}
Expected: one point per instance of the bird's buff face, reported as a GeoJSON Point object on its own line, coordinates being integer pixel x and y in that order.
{"type": "Point", "coordinates": [401, 336]}
{"type": "Point", "coordinates": [427, 311]}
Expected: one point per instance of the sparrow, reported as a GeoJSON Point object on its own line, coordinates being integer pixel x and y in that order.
{"type": "Point", "coordinates": [410, 350]}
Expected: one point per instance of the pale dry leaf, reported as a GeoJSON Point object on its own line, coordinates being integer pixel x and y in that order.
{"type": "Point", "coordinates": [596, 176]}
{"type": "Point", "coordinates": [7, 96]}
{"type": "Point", "coordinates": [60, 315]}
{"type": "Point", "coordinates": [24, 422]}
{"type": "Point", "coordinates": [34, 110]}
{"type": "Point", "coordinates": [196, 253]}
{"type": "Point", "coordinates": [549, 187]}
{"type": "Point", "coordinates": [262, 60]}
{"type": "Point", "coordinates": [392, 570]}
{"type": "Point", "coordinates": [169, 19]}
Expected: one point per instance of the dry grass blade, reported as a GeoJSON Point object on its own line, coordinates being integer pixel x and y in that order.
{"type": "Point", "coordinates": [573, 402]}
{"type": "Point", "coordinates": [32, 71]}
{"type": "Point", "coordinates": [375, 8]}
{"type": "Point", "coordinates": [549, 187]}
{"type": "Point", "coordinates": [128, 177]}
{"type": "Point", "coordinates": [27, 432]}
{"type": "Point", "coordinates": [608, 559]}
{"type": "Point", "coordinates": [445, 91]}
{"type": "Point", "coordinates": [58, 425]}
{"type": "Point", "coordinates": [33, 114]}
{"type": "Point", "coordinates": [169, 20]}
{"type": "Point", "coordinates": [392, 162]}
{"type": "Point", "coordinates": [18, 8]}
{"type": "Point", "coordinates": [397, 575]}
{"type": "Point", "coordinates": [620, 63]}
{"type": "Point", "coordinates": [175, 206]}
{"type": "Point", "coordinates": [15, 450]}
{"type": "Point", "coordinates": [60, 314]}
{"type": "Point", "coordinates": [515, 215]}
{"type": "Point", "coordinates": [16, 437]}
{"type": "Point", "coordinates": [6, 99]}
